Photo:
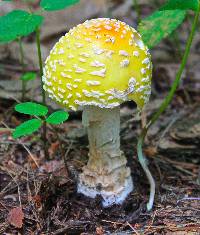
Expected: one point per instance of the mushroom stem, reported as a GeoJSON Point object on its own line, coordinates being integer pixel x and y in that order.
{"type": "Point", "coordinates": [106, 173]}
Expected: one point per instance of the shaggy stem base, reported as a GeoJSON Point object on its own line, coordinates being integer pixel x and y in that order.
{"type": "Point", "coordinates": [106, 173]}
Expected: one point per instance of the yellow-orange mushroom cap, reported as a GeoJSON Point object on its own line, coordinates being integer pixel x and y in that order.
{"type": "Point", "coordinates": [102, 62]}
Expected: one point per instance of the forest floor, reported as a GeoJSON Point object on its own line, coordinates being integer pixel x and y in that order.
{"type": "Point", "coordinates": [46, 189]}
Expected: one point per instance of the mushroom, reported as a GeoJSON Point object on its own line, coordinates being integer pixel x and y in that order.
{"type": "Point", "coordinates": [97, 66]}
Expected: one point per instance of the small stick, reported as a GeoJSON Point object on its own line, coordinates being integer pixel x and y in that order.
{"type": "Point", "coordinates": [29, 152]}
{"type": "Point", "coordinates": [189, 198]}
{"type": "Point", "coordinates": [134, 230]}
{"type": "Point", "coordinates": [18, 189]}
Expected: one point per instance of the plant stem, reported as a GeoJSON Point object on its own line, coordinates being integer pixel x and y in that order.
{"type": "Point", "coordinates": [6, 129]}
{"type": "Point", "coordinates": [44, 134]}
{"type": "Point", "coordinates": [21, 50]}
{"type": "Point", "coordinates": [137, 9]}
{"type": "Point", "coordinates": [40, 63]}
{"type": "Point", "coordinates": [162, 108]}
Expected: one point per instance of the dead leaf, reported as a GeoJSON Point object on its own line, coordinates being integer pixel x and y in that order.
{"type": "Point", "coordinates": [15, 217]}
{"type": "Point", "coordinates": [15, 121]}
{"type": "Point", "coordinates": [150, 151]}
{"type": "Point", "coordinates": [99, 231]}
{"type": "Point", "coordinates": [37, 201]}
{"type": "Point", "coordinates": [53, 148]}
{"type": "Point", "coordinates": [52, 166]}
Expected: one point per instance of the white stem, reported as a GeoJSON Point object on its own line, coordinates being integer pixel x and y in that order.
{"type": "Point", "coordinates": [106, 173]}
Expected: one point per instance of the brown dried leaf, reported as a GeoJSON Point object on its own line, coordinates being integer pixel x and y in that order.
{"type": "Point", "coordinates": [99, 231]}
{"type": "Point", "coordinates": [37, 201]}
{"type": "Point", "coordinates": [15, 217]}
{"type": "Point", "coordinates": [52, 166]}
{"type": "Point", "coordinates": [53, 148]}
{"type": "Point", "coordinates": [150, 151]}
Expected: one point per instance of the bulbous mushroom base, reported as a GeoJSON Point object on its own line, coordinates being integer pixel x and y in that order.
{"type": "Point", "coordinates": [106, 173]}
{"type": "Point", "coordinates": [113, 188]}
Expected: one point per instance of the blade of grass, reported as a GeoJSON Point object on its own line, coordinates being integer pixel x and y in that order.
{"type": "Point", "coordinates": [162, 108]}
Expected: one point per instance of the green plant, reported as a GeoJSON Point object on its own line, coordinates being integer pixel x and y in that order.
{"type": "Point", "coordinates": [173, 9]}
{"type": "Point", "coordinates": [181, 5]}
{"type": "Point", "coordinates": [153, 29]}
{"type": "Point", "coordinates": [25, 78]}
{"type": "Point", "coordinates": [39, 112]}
{"type": "Point", "coordinates": [50, 5]}
{"type": "Point", "coordinates": [28, 76]}
{"type": "Point", "coordinates": [19, 23]}
{"type": "Point", "coordinates": [159, 25]}
{"type": "Point", "coordinates": [15, 25]}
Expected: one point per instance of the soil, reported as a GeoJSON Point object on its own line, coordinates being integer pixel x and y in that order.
{"type": "Point", "coordinates": [47, 191]}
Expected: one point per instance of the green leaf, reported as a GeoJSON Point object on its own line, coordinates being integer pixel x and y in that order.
{"type": "Point", "coordinates": [181, 5]}
{"type": "Point", "coordinates": [55, 5]}
{"type": "Point", "coordinates": [28, 76]}
{"type": "Point", "coordinates": [18, 23]}
{"type": "Point", "coordinates": [57, 117]}
{"type": "Point", "coordinates": [27, 128]}
{"type": "Point", "coordinates": [31, 108]}
{"type": "Point", "coordinates": [159, 25]}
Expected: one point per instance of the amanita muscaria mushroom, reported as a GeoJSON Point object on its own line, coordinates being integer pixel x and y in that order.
{"type": "Point", "coordinates": [97, 66]}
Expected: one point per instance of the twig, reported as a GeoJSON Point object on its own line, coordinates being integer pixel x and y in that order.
{"type": "Point", "coordinates": [169, 125]}
{"type": "Point", "coordinates": [71, 225]}
{"type": "Point", "coordinates": [189, 198]}
{"type": "Point", "coordinates": [174, 164]}
{"type": "Point", "coordinates": [4, 206]}
{"type": "Point", "coordinates": [29, 194]}
{"type": "Point", "coordinates": [181, 164]}
{"type": "Point", "coordinates": [185, 171]}
{"type": "Point", "coordinates": [72, 174]}
{"type": "Point", "coordinates": [30, 154]}
{"type": "Point", "coordinates": [112, 222]}
{"type": "Point", "coordinates": [134, 230]}
{"type": "Point", "coordinates": [18, 188]}
{"type": "Point", "coordinates": [6, 130]}
{"type": "Point", "coordinates": [19, 142]}
{"type": "Point", "coordinates": [10, 142]}
{"type": "Point", "coordinates": [7, 186]}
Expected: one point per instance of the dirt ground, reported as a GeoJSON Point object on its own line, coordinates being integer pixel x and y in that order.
{"type": "Point", "coordinates": [46, 189]}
